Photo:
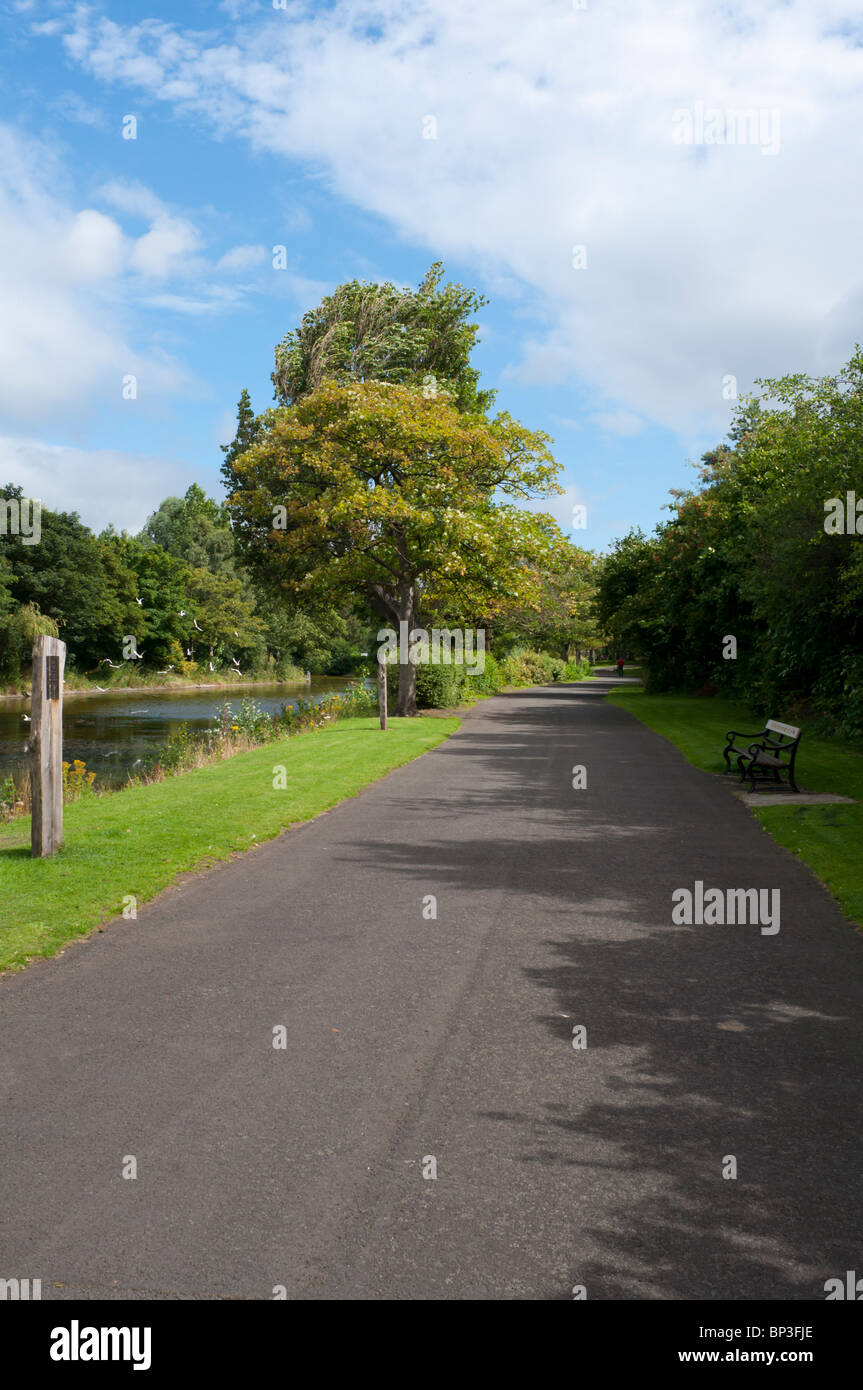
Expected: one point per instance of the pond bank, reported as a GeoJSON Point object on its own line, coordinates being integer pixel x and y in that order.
{"type": "Point", "coordinates": [119, 851]}
{"type": "Point", "coordinates": [175, 687]}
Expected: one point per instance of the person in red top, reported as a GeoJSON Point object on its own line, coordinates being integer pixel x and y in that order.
{"type": "Point", "coordinates": [620, 665]}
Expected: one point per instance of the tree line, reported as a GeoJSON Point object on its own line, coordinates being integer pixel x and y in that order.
{"type": "Point", "coordinates": [379, 490]}
{"type": "Point", "coordinates": [754, 585]}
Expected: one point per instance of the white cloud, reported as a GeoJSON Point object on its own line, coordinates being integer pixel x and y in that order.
{"type": "Point", "coordinates": [133, 198]}
{"type": "Point", "coordinates": [242, 258]}
{"type": "Point", "coordinates": [94, 246]}
{"type": "Point", "coordinates": [560, 508]}
{"type": "Point", "coordinates": [554, 130]}
{"type": "Point", "coordinates": [64, 342]}
{"type": "Point", "coordinates": [165, 248]}
{"type": "Point", "coordinates": [108, 486]}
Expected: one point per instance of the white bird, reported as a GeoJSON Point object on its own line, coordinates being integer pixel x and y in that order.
{"type": "Point", "coordinates": [164, 673]}
{"type": "Point", "coordinates": [235, 673]}
{"type": "Point", "coordinates": [212, 667]}
{"type": "Point", "coordinates": [26, 718]}
{"type": "Point", "coordinates": [140, 602]}
{"type": "Point", "coordinates": [137, 656]}
{"type": "Point", "coordinates": [188, 651]}
{"type": "Point", "coordinates": [114, 664]}
{"type": "Point", "coordinates": [195, 624]}
{"type": "Point", "coordinates": [235, 661]}
{"type": "Point", "coordinates": [182, 612]}
{"type": "Point", "coordinates": [236, 634]}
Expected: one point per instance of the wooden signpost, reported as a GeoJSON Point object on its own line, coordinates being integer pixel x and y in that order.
{"type": "Point", "coordinates": [46, 746]}
{"type": "Point", "coordinates": [382, 693]}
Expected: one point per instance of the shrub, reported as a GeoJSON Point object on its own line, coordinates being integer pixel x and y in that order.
{"type": "Point", "coordinates": [77, 781]}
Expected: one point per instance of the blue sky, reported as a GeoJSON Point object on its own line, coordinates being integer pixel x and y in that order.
{"type": "Point", "coordinates": [721, 255]}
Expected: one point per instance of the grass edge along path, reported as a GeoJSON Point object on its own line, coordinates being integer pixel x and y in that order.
{"type": "Point", "coordinates": [135, 842]}
{"type": "Point", "coordinates": [825, 838]}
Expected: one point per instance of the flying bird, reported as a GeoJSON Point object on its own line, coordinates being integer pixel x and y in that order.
{"type": "Point", "coordinates": [195, 624]}
{"type": "Point", "coordinates": [115, 664]}
{"type": "Point", "coordinates": [26, 718]}
{"type": "Point", "coordinates": [140, 602]}
{"type": "Point", "coordinates": [212, 667]}
{"type": "Point", "coordinates": [182, 612]}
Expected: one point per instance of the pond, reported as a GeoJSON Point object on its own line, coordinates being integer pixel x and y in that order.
{"type": "Point", "coordinates": [113, 732]}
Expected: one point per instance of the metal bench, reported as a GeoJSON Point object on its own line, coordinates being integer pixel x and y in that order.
{"type": "Point", "coordinates": [771, 753]}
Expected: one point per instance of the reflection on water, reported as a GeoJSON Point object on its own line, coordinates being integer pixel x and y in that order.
{"type": "Point", "coordinates": [112, 733]}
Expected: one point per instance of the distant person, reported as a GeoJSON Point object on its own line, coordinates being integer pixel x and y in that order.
{"type": "Point", "coordinates": [620, 665]}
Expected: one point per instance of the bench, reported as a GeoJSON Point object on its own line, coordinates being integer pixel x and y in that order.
{"type": "Point", "coordinates": [771, 752]}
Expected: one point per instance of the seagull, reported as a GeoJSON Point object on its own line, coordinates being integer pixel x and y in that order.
{"type": "Point", "coordinates": [140, 602]}
{"type": "Point", "coordinates": [188, 651]}
{"type": "Point", "coordinates": [164, 673]}
{"type": "Point", "coordinates": [235, 673]}
{"type": "Point", "coordinates": [137, 656]}
{"type": "Point", "coordinates": [114, 664]}
{"type": "Point", "coordinates": [182, 612]}
{"type": "Point", "coordinates": [236, 634]}
{"type": "Point", "coordinates": [26, 718]}
{"type": "Point", "coordinates": [235, 661]}
{"type": "Point", "coordinates": [195, 624]}
{"type": "Point", "coordinates": [212, 667]}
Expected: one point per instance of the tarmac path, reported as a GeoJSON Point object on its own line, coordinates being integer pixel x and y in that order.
{"type": "Point", "coordinates": [410, 1037]}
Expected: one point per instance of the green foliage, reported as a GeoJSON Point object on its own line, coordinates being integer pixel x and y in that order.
{"type": "Point", "coordinates": [747, 555]}
{"type": "Point", "coordinates": [17, 634]}
{"type": "Point", "coordinates": [366, 331]}
{"type": "Point", "coordinates": [194, 529]}
{"type": "Point", "coordinates": [376, 491]}
{"type": "Point", "coordinates": [245, 436]}
{"type": "Point", "coordinates": [562, 617]}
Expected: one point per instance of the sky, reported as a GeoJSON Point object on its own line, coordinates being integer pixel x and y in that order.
{"type": "Point", "coordinates": [661, 203]}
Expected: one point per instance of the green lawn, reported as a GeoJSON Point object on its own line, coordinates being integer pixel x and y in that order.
{"type": "Point", "coordinates": [827, 838]}
{"type": "Point", "coordinates": [137, 840]}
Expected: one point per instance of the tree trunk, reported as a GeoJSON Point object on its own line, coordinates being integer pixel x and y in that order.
{"type": "Point", "coordinates": [406, 701]}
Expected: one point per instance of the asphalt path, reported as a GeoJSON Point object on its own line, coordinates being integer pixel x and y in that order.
{"type": "Point", "coordinates": [411, 1037]}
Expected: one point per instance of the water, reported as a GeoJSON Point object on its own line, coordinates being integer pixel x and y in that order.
{"type": "Point", "coordinates": [110, 733]}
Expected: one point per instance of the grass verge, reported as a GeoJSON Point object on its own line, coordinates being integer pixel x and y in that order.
{"type": "Point", "coordinates": [135, 842]}
{"type": "Point", "coordinates": [826, 838]}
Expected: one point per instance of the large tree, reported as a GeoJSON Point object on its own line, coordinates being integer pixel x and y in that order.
{"type": "Point", "coordinates": [375, 488]}
{"type": "Point", "coordinates": [371, 332]}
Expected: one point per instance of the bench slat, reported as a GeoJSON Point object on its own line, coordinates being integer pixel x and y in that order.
{"type": "Point", "coordinates": [787, 729]}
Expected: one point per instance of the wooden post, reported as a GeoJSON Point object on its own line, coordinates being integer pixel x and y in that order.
{"type": "Point", "coordinates": [46, 746]}
{"type": "Point", "coordinates": [382, 693]}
